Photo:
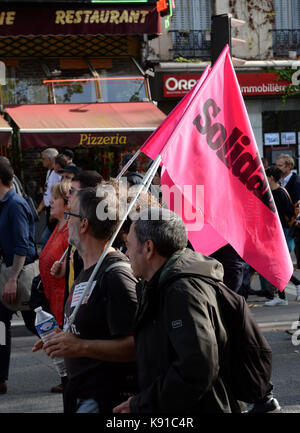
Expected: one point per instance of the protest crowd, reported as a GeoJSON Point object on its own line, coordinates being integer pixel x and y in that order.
{"type": "Point", "coordinates": [151, 335]}
{"type": "Point", "coordinates": [151, 318]}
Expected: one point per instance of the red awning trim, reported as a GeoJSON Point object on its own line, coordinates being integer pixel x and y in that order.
{"type": "Point", "coordinates": [57, 131]}
{"type": "Point", "coordinates": [85, 124]}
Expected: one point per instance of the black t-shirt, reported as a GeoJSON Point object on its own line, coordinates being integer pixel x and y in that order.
{"type": "Point", "coordinates": [108, 313]}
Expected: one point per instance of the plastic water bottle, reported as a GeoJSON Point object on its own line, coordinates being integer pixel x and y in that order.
{"type": "Point", "coordinates": [45, 325]}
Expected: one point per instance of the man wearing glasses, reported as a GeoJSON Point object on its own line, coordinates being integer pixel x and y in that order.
{"type": "Point", "coordinates": [99, 349]}
{"type": "Point", "coordinates": [72, 265]}
{"type": "Point", "coordinates": [70, 268]}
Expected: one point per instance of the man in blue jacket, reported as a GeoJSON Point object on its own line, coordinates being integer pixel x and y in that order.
{"type": "Point", "coordinates": [17, 249]}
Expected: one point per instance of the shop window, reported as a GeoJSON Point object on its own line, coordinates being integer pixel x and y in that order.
{"type": "Point", "coordinates": [121, 81]}
{"type": "Point", "coordinates": [281, 134]}
{"type": "Point", "coordinates": [63, 81]}
{"type": "Point", "coordinates": [24, 83]}
{"type": "Point", "coordinates": [62, 86]}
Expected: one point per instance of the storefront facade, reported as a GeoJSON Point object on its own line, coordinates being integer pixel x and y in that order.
{"type": "Point", "coordinates": [74, 79]}
{"type": "Point", "coordinates": [274, 118]}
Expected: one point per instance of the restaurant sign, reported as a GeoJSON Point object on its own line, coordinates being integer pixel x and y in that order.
{"type": "Point", "coordinates": [74, 20]}
{"type": "Point", "coordinates": [58, 138]}
{"type": "Point", "coordinates": [251, 84]}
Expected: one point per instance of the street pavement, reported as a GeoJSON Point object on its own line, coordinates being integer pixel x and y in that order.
{"type": "Point", "coordinates": [33, 374]}
{"type": "Point", "coordinates": [30, 378]}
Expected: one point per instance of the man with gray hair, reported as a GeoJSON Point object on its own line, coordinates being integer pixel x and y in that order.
{"type": "Point", "coordinates": [99, 346]}
{"type": "Point", "coordinates": [48, 161]}
{"type": "Point", "coordinates": [180, 338]}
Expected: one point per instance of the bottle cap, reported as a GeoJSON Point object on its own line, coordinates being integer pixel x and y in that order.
{"type": "Point", "coordinates": [38, 309]}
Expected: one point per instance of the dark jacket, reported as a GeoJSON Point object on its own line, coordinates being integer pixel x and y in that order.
{"type": "Point", "coordinates": [134, 178]}
{"type": "Point", "coordinates": [181, 343]}
{"type": "Point", "coordinates": [284, 206]}
{"type": "Point", "coordinates": [293, 187]}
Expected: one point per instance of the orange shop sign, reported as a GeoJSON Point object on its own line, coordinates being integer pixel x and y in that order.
{"type": "Point", "coordinates": [251, 83]}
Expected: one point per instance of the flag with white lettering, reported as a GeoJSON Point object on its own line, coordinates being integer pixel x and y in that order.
{"type": "Point", "coordinates": [212, 145]}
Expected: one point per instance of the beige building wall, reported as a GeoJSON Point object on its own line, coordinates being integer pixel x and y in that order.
{"type": "Point", "coordinates": [257, 30]}
{"type": "Point", "coordinates": [160, 48]}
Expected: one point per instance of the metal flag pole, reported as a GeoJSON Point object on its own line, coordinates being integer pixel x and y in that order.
{"type": "Point", "coordinates": [149, 175]}
{"type": "Point", "coordinates": [128, 164]}
{"type": "Point", "coordinates": [63, 256]}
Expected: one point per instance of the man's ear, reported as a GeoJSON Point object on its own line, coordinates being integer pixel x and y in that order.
{"type": "Point", "coordinates": [149, 249]}
{"type": "Point", "coordinates": [84, 225]}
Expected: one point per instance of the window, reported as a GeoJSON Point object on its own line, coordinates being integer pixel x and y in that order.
{"type": "Point", "coordinates": [192, 15]}
{"type": "Point", "coordinates": [24, 83]}
{"type": "Point", "coordinates": [191, 25]}
{"type": "Point", "coordinates": [287, 14]}
{"type": "Point", "coordinates": [74, 80]}
{"type": "Point", "coordinates": [121, 81]}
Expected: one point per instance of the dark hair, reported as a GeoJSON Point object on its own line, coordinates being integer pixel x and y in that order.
{"type": "Point", "coordinates": [127, 157]}
{"type": "Point", "coordinates": [274, 171]}
{"type": "Point", "coordinates": [102, 228]}
{"type": "Point", "coordinates": [61, 160]}
{"type": "Point", "coordinates": [88, 178]}
{"type": "Point", "coordinates": [145, 200]}
{"type": "Point", "coordinates": [68, 152]}
{"type": "Point", "coordinates": [164, 228]}
{"type": "Point", "coordinates": [6, 171]}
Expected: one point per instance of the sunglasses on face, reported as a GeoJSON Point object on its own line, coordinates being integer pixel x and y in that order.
{"type": "Point", "coordinates": [67, 215]}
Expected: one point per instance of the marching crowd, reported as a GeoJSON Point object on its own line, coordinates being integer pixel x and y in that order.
{"type": "Point", "coordinates": [150, 335]}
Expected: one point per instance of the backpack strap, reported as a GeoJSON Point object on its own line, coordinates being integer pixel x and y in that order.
{"type": "Point", "coordinates": [287, 193]}
{"type": "Point", "coordinates": [118, 264]}
{"type": "Point", "coordinates": [290, 220]}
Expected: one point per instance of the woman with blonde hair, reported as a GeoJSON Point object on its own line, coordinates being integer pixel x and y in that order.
{"type": "Point", "coordinates": [54, 288]}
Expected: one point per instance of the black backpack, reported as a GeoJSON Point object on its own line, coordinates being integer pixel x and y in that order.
{"type": "Point", "coordinates": [248, 368]}
{"type": "Point", "coordinates": [250, 355]}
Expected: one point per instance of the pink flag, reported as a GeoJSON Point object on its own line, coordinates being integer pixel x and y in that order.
{"type": "Point", "coordinates": [213, 146]}
{"type": "Point", "coordinates": [154, 144]}
{"type": "Point", "coordinates": [183, 203]}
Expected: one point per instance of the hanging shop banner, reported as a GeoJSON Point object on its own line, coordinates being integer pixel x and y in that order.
{"type": "Point", "coordinates": [71, 20]}
{"type": "Point", "coordinates": [251, 84]}
{"type": "Point", "coordinates": [83, 139]}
